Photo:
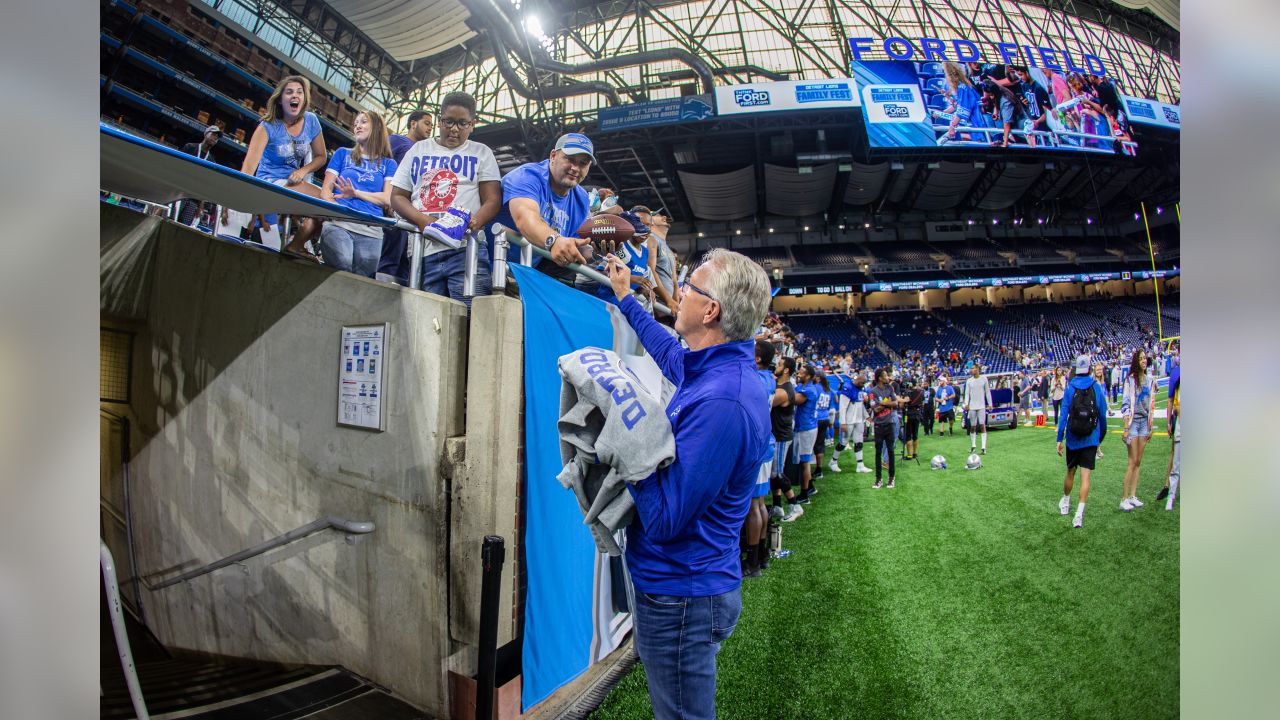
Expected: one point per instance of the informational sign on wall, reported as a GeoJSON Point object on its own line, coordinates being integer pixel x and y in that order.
{"type": "Point", "coordinates": [360, 376]}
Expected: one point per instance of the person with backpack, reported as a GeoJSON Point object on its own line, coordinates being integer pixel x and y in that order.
{"type": "Point", "coordinates": [1080, 431]}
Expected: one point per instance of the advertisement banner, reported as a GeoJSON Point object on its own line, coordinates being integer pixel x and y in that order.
{"type": "Point", "coordinates": [669, 111]}
{"type": "Point", "coordinates": [1151, 112]}
{"type": "Point", "coordinates": [956, 283]}
{"type": "Point", "coordinates": [785, 95]}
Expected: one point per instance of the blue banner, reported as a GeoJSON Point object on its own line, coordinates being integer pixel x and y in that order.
{"type": "Point", "coordinates": [670, 111]}
{"type": "Point", "coordinates": [558, 548]}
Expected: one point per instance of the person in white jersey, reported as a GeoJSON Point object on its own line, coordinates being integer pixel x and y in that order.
{"type": "Point", "coordinates": [977, 400]}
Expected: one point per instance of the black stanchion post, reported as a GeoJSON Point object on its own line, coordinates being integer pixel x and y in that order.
{"type": "Point", "coordinates": [492, 556]}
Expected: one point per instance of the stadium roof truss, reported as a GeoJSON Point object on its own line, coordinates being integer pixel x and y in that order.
{"type": "Point", "coordinates": [749, 40]}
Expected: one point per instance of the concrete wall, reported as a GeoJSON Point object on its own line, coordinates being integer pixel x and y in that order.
{"type": "Point", "coordinates": [809, 303]}
{"type": "Point", "coordinates": [236, 441]}
{"type": "Point", "coordinates": [933, 299]}
{"type": "Point", "coordinates": [964, 296]}
{"type": "Point", "coordinates": [891, 300]}
{"type": "Point", "coordinates": [1067, 291]}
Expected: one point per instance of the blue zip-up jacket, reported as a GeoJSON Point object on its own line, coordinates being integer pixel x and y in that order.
{"type": "Point", "coordinates": [684, 541]}
{"type": "Point", "coordinates": [1081, 383]}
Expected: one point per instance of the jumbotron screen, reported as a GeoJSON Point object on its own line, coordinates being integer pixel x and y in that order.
{"type": "Point", "coordinates": [952, 104]}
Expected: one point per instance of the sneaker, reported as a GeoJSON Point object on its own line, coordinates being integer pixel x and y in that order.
{"type": "Point", "coordinates": [1164, 493]}
{"type": "Point", "coordinates": [793, 512]}
{"type": "Point", "coordinates": [801, 500]}
{"type": "Point", "coordinates": [1126, 506]}
{"type": "Point", "coordinates": [984, 451]}
{"type": "Point", "coordinates": [817, 475]}
{"type": "Point", "coordinates": [863, 469]}
{"type": "Point", "coordinates": [751, 571]}
{"type": "Point", "coordinates": [450, 229]}
{"type": "Point", "coordinates": [876, 486]}
{"type": "Point", "coordinates": [813, 490]}
{"type": "Point", "coordinates": [1134, 501]}
{"type": "Point", "coordinates": [1099, 453]}
{"type": "Point", "coordinates": [1078, 522]}
{"type": "Point", "coordinates": [1064, 505]}
{"type": "Point", "coordinates": [776, 512]}
{"type": "Point", "coordinates": [890, 485]}
{"type": "Point", "coordinates": [833, 467]}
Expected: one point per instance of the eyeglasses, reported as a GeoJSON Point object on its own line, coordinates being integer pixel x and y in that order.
{"type": "Point", "coordinates": [460, 124]}
{"type": "Point", "coordinates": [690, 286]}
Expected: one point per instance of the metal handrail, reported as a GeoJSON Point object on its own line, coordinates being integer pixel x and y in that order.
{"type": "Point", "coordinates": [112, 587]}
{"type": "Point", "coordinates": [324, 523]}
{"type": "Point", "coordinates": [576, 267]}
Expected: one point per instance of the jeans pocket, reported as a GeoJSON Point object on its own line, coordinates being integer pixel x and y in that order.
{"type": "Point", "coordinates": [725, 609]}
{"type": "Point", "coordinates": [664, 601]}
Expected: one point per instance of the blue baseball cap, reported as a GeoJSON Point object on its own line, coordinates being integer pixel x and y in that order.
{"type": "Point", "coordinates": [576, 144]}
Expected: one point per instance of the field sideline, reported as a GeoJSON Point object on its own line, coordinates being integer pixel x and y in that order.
{"type": "Point", "coordinates": [960, 595]}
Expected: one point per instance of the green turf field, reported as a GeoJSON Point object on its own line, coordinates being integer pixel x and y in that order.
{"type": "Point", "coordinates": [960, 595]}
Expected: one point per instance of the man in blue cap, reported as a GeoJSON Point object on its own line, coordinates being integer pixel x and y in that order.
{"type": "Point", "coordinates": [544, 202]}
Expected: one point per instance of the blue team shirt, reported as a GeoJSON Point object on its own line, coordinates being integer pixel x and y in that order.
{"type": "Point", "coordinates": [770, 387]}
{"type": "Point", "coordinates": [400, 145]}
{"type": "Point", "coordinates": [969, 107]}
{"type": "Point", "coordinates": [285, 153]}
{"type": "Point", "coordinates": [946, 398]}
{"type": "Point", "coordinates": [807, 414]}
{"type": "Point", "coordinates": [563, 213]}
{"type": "Point", "coordinates": [368, 176]}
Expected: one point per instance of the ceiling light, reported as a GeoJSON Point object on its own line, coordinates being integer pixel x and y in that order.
{"type": "Point", "coordinates": [1089, 220]}
{"type": "Point", "coordinates": [701, 234]}
{"type": "Point", "coordinates": [806, 228]}
{"type": "Point", "coordinates": [995, 221]}
{"type": "Point", "coordinates": [770, 229]}
{"type": "Point", "coordinates": [1040, 221]}
{"type": "Point", "coordinates": [970, 221]}
{"type": "Point", "coordinates": [737, 232]}
{"type": "Point", "coordinates": [866, 225]}
{"type": "Point", "coordinates": [1159, 210]}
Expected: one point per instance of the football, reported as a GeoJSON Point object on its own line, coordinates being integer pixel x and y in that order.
{"type": "Point", "coordinates": [606, 227]}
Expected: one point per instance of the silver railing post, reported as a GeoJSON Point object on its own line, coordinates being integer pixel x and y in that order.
{"type": "Point", "coordinates": [472, 264]}
{"type": "Point", "coordinates": [121, 634]}
{"type": "Point", "coordinates": [500, 261]}
{"type": "Point", "coordinates": [526, 254]}
{"type": "Point", "coordinates": [415, 262]}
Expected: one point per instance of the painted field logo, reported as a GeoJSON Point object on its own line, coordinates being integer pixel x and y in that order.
{"type": "Point", "coordinates": [895, 110]}
{"type": "Point", "coordinates": [890, 95]}
{"type": "Point", "coordinates": [750, 98]}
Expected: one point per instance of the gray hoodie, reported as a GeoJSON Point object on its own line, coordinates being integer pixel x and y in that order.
{"type": "Point", "coordinates": [613, 430]}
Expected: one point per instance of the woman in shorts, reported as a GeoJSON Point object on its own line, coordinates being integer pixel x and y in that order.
{"type": "Point", "coordinates": [287, 147]}
{"type": "Point", "coordinates": [1138, 409]}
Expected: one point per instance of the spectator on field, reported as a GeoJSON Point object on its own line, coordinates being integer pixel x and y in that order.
{"type": "Point", "coordinates": [1057, 390]}
{"type": "Point", "coordinates": [545, 203]}
{"type": "Point", "coordinates": [450, 187]}
{"type": "Point", "coordinates": [1080, 449]}
{"type": "Point", "coordinates": [193, 210]}
{"type": "Point", "coordinates": [1138, 411]}
{"type": "Point", "coordinates": [1174, 473]}
{"type": "Point", "coordinates": [287, 147]}
{"type": "Point", "coordinates": [358, 178]}
{"type": "Point", "coordinates": [393, 265]}
{"type": "Point", "coordinates": [682, 550]}
{"type": "Point", "coordinates": [884, 402]}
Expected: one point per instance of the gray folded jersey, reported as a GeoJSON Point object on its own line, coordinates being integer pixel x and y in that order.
{"type": "Point", "coordinates": [613, 430]}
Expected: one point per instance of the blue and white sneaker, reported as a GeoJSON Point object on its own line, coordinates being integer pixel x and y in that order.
{"type": "Point", "coordinates": [451, 229]}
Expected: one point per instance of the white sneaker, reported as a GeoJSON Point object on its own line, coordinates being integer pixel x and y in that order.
{"type": "Point", "coordinates": [1134, 501]}
{"type": "Point", "coordinates": [863, 469]}
{"type": "Point", "coordinates": [1064, 505]}
{"type": "Point", "coordinates": [1078, 522]}
{"type": "Point", "coordinates": [775, 512]}
{"type": "Point", "coordinates": [793, 512]}
{"type": "Point", "coordinates": [832, 466]}
{"type": "Point", "coordinates": [1126, 506]}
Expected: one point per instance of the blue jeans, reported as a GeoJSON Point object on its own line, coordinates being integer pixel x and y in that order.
{"type": "Point", "coordinates": [442, 273]}
{"type": "Point", "coordinates": [678, 639]}
{"type": "Point", "coordinates": [346, 250]}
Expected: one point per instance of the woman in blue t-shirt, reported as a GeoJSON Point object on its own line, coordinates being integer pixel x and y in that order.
{"type": "Point", "coordinates": [966, 103]}
{"type": "Point", "coordinates": [359, 178]}
{"type": "Point", "coordinates": [287, 147]}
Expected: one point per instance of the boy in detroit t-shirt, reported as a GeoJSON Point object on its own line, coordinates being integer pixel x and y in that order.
{"type": "Point", "coordinates": [450, 187]}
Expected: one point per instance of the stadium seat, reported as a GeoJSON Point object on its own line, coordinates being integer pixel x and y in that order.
{"type": "Point", "coordinates": [931, 69]}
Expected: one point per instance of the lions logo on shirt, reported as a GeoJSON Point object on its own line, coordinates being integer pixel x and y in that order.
{"type": "Point", "coordinates": [436, 190]}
